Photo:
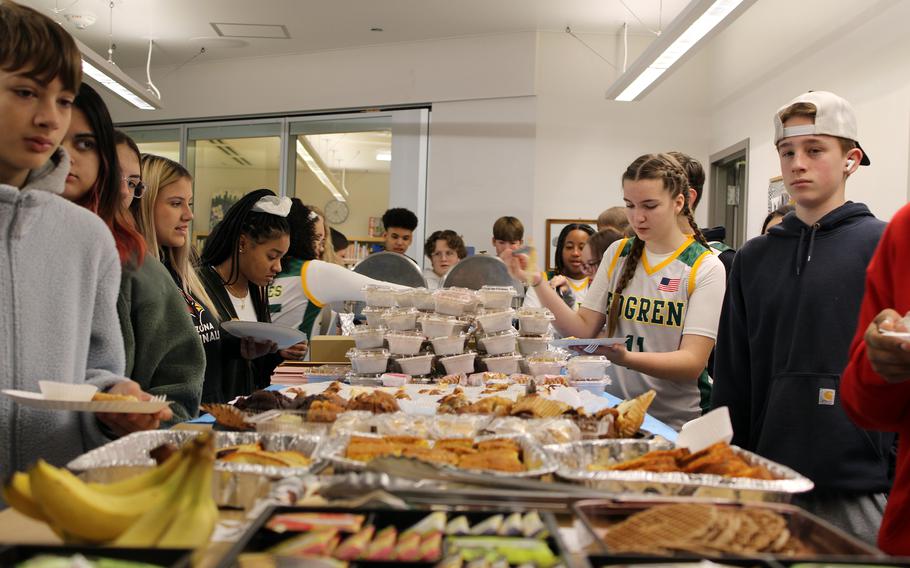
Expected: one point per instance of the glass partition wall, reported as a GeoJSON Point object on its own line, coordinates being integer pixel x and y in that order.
{"type": "Point", "coordinates": [351, 166]}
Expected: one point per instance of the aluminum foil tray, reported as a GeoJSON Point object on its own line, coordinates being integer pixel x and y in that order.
{"type": "Point", "coordinates": [574, 459]}
{"type": "Point", "coordinates": [539, 461]}
{"type": "Point", "coordinates": [235, 484]}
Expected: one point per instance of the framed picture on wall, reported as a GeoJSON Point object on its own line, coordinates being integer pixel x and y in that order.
{"type": "Point", "coordinates": [554, 227]}
{"type": "Point", "coordinates": [777, 193]}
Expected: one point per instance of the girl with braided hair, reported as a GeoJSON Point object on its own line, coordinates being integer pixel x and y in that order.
{"type": "Point", "coordinates": [662, 290]}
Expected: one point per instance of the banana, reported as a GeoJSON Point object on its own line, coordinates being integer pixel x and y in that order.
{"type": "Point", "coordinates": [142, 480]}
{"type": "Point", "coordinates": [18, 494]}
{"type": "Point", "coordinates": [198, 513]}
{"type": "Point", "coordinates": [148, 528]}
{"type": "Point", "coordinates": [78, 510]}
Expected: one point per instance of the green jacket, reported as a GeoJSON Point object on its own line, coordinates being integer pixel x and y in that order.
{"type": "Point", "coordinates": [163, 351]}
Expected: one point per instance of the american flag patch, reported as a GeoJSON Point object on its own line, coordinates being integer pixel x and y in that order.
{"type": "Point", "coordinates": [668, 284]}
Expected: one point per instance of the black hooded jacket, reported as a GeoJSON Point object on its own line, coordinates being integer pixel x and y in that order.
{"type": "Point", "coordinates": [789, 315]}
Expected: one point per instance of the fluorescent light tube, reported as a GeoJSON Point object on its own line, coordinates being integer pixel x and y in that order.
{"type": "Point", "coordinates": [384, 156]}
{"type": "Point", "coordinates": [694, 24]}
{"type": "Point", "coordinates": [113, 79]}
{"type": "Point", "coordinates": [309, 156]}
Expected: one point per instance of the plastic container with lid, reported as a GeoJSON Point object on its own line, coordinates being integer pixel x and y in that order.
{"type": "Point", "coordinates": [531, 344]}
{"type": "Point", "coordinates": [449, 345]}
{"type": "Point", "coordinates": [588, 367]}
{"type": "Point", "coordinates": [440, 326]}
{"type": "Point", "coordinates": [455, 301]}
{"type": "Point", "coordinates": [369, 361]}
{"type": "Point", "coordinates": [368, 337]}
{"type": "Point", "coordinates": [494, 321]}
{"type": "Point", "coordinates": [459, 364]}
{"type": "Point", "coordinates": [534, 321]}
{"type": "Point", "coordinates": [417, 365]}
{"type": "Point", "coordinates": [507, 364]}
{"type": "Point", "coordinates": [400, 319]}
{"type": "Point", "coordinates": [404, 298]}
{"type": "Point", "coordinates": [404, 342]}
{"type": "Point", "coordinates": [374, 316]}
{"type": "Point", "coordinates": [379, 296]}
{"type": "Point", "coordinates": [423, 300]}
{"type": "Point", "coordinates": [547, 363]}
{"type": "Point", "coordinates": [496, 297]}
{"type": "Point", "coordinates": [498, 343]}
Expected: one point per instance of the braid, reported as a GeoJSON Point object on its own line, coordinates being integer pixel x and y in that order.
{"type": "Point", "coordinates": [628, 270]}
{"type": "Point", "coordinates": [699, 236]}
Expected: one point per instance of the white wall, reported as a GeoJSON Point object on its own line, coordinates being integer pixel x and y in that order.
{"type": "Point", "coordinates": [585, 142]}
{"type": "Point", "coordinates": [860, 51]}
{"type": "Point", "coordinates": [406, 73]}
{"type": "Point", "coordinates": [481, 166]}
{"type": "Point", "coordinates": [519, 123]}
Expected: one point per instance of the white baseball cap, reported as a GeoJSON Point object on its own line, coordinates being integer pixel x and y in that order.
{"type": "Point", "coordinates": [834, 116]}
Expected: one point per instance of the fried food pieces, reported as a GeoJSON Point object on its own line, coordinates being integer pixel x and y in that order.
{"type": "Point", "coordinates": [717, 459]}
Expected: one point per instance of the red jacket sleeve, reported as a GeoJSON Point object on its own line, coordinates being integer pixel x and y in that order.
{"type": "Point", "coordinates": [871, 402]}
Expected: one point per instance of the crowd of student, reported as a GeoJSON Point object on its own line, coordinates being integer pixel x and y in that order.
{"type": "Point", "coordinates": [100, 284]}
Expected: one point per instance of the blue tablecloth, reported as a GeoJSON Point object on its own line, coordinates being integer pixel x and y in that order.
{"type": "Point", "coordinates": [209, 419]}
{"type": "Point", "coordinates": [651, 424]}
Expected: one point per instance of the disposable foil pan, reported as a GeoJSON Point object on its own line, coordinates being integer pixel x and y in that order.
{"type": "Point", "coordinates": [573, 461]}
{"type": "Point", "coordinates": [539, 461]}
{"type": "Point", "coordinates": [234, 484]}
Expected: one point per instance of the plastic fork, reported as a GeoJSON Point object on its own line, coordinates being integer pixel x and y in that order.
{"type": "Point", "coordinates": [590, 348]}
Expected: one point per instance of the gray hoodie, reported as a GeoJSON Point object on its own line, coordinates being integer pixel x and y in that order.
{"type": "Point", "coordinates": [59, 279]}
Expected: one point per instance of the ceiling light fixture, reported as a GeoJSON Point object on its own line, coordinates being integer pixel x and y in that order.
{"type": "Point", "coordinates": [384, 156]}
{"type": "Point", "coordinates": [311, 158]}
{"type": "Point", "coordinates": [112, 78]}
{"type": "Point", "coordinates": [697, 22]}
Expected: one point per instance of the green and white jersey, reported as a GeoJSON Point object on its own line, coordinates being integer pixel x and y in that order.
{"type": "Point", "coordinates": [288, 301]}
{"type": "Point", "coordinates": [670, 295]}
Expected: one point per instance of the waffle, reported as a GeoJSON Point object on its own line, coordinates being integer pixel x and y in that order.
{"type": "Point", "coordinates": [704, 530]}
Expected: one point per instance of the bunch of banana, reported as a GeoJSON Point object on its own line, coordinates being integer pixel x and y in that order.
{"type": "Point", "coordinates": [170, 506]}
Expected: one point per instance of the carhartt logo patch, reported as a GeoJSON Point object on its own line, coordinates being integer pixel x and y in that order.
{"type": "Point", "coordinates": [826, 397]}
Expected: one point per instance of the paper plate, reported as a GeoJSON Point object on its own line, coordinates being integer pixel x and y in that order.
{"type": "Point", "coordinates": [899, 334]}
{"type": "Point", "coordinates": [283, 336]}
{"type": "Point", "coordinates": [584, 342]}
{"type": "Point", "coordinates": [37, 400]}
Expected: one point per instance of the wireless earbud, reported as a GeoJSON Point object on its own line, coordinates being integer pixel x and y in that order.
{"type": "Point", "coordinates": [850, 164]}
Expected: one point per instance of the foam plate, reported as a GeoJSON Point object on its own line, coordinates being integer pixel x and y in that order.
{"type": "Point", "coordinates": [38, 400]}
{"type": "Point", "coordinates": [283, 336]}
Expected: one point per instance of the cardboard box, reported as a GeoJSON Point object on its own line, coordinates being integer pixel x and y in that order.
{"type": "Point", "coordinates": [330, 348]}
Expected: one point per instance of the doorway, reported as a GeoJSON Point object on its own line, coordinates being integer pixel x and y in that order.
{"type": "Point", "coordinates": [729, 192]}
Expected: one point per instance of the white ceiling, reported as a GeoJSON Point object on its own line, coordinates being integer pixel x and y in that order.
{"type": "Point", "coordinates": [180, 28]}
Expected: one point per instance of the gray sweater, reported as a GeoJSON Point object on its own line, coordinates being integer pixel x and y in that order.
{"type": "Point", "coordinates": [59, 279]}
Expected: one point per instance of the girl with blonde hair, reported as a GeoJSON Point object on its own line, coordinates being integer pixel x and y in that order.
{"type": "Point", "coordinates": [661, 290]}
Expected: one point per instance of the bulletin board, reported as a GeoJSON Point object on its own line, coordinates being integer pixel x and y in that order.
{"type": "Point", "coordinates": [777, 194]}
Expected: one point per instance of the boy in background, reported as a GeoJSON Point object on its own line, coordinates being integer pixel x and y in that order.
{"type": "Point", "coordinates": [59, 268]}
{"type": "Point", "coordinates": [399, 226]}
{"type": "Point", "coordinates": [508, 234]}
{"type": "Point", "coordinates": [876, 384]}
{"type": "Point", "coordinates": [790, 311]}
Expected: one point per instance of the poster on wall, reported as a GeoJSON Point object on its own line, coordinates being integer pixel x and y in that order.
{"type": "Point", "coordinates": [221, 202]}
{"type": "Point", "coordinates": [777, 194]}
{"type": "Point", "coordinates": [554, 227]}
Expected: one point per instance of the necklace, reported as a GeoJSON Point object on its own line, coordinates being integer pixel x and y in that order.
{"type": "Point", "coordinates": [229, 287]}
